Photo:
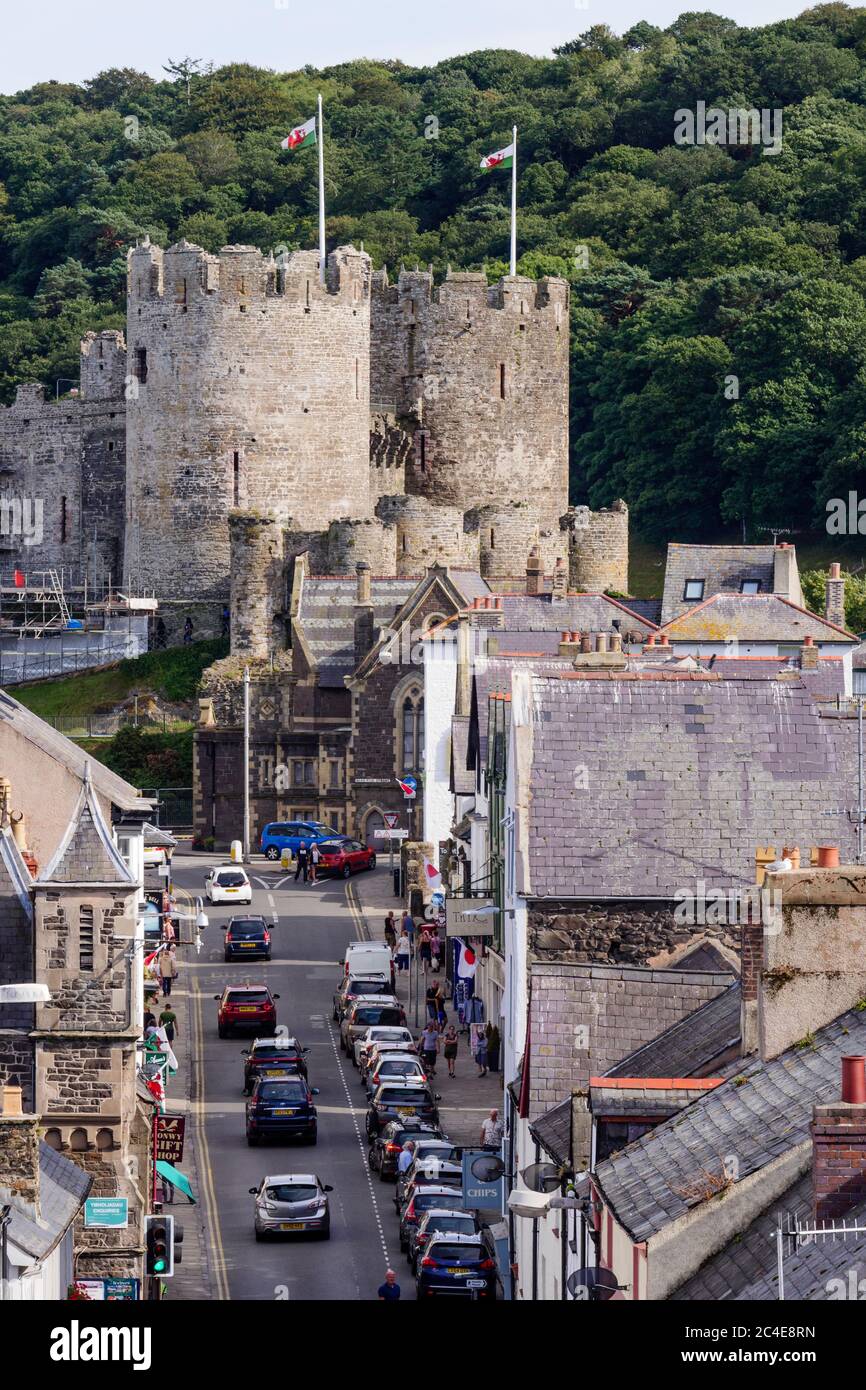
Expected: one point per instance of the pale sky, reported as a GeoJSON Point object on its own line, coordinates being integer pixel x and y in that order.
{"type": "Point", "coordinates": [68, 42]}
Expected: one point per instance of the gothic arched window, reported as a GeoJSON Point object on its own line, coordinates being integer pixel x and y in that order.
{"type": "Point", "coordinates": [412, 731]}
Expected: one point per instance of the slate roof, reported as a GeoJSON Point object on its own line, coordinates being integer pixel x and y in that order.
{"type": "Point", "coordinates": [760, 1114]}
{"type": "Point", "coordinates": [63, 1187]}
{"type": "Point", "coordinates": [649, 1101]}
{"type": "Point", "coordinates": [575, 612]}
{"type": "Point", "coordinates": [808, 1271]}
{"type": "Point", "coordinates": [650, 609]}
{"type": "Point", "coordinates": [752, 618]}
{"type": "Point", "coordinates": [35, 730]}
{"type": "Point", "coordinates": [552, 1130]}
{"type": "Point", "coordinates": [87, 853]}
{"type": "Point", "coordinates": [752, 1254]}
{"type": "Point", "coordinates": [327, 618]}
{"type": "Point", "coordinates": [858, 657]}
{"type": "Point", "coordinates": [686, 774]}
{"type": "Point", "coordinates": [722, 568]}
{"type": "Point", "coordinates": [462, 778]}
{"type": "Point", "coordinates": [690, 1045]}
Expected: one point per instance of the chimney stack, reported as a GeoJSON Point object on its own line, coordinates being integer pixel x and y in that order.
{"type": "Point", "coordinates": [464, 665]}
{"type": "Point", "coordinates": [362, 591]}
{"type": "Point", "coordinates": [839, 1147]}
{"type": "Point", "coordinates": [834, 596]}
{"type": "Point", "coordinates": [808, 654]}
{"type": "Point", "coordinates": [534, 573]}
{"type": "Point", "coordinates": [560, 580]}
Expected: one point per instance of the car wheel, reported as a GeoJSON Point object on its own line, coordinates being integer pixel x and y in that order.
{"type": "Point", "coordinates": [372, 863]}
{"type": "Point", "coordinates": [325, 1234]}
{"type": "Point", "coordinates": [272, 852]}
{"type": "Point", "coordinates": [370, 1164]}
{"type": "Point", "coordinates": [221, 1032]}
{"type": "Point", "coordinates": [347, 872]}
{"type": "Point", "coordinates": [260, 1235]}
{"type": "Point", "coordinates": [227, 955]}
{"type": "Point", "coordinates": [253, 1140]}
{"type": "Point", "coordinates": [313, 1138]}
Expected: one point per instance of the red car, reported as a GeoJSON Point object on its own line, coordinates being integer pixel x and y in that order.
{"type": "Point", "coordinates": [246, 1006]}
{"type": "Point", "coordinates": [345, 857]}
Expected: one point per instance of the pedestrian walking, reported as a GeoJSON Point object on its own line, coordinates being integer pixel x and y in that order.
{"type": "Point", "coordinates": [303, 861]}
{"type": "Point", "coordinates": [401, 954]}
{"type": "Point", "coordinates": [450, 1041]}
{"type": "Point", "coordinates": [409, 927]}
{"type": "Point", "coordinates": [432, 1004]}
{"type": "Point", "coordinates": [167, 967]}
{"type": "Point", "coordinates": [407, 1153]}
{"type": "Point", "coordinates": [168, 1021]}
{"type": "Point", "coordinates": [315, 856]}
{"type": "Point", "coordinates": [436, 949]}
{"type": "Point", "coordinates": [492, 1131]}
{"type": "Point", "coordinates": [481, 1053]}
{"type": "Point", "coordinates": [429, 1041]}
{"type": "Point", "coordinates": [187, 632]}
{"type": "Point", "coordinates": [425, 955]}
{"type": "Point", "coordinates": [389, 1292]}
{"type": "Point", "coordinates": [390, 931]}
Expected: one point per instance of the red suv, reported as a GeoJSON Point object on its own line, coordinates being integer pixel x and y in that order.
{"type": "Point", "coordinates": [246, 1006]}
{"type": "Point", "coordinates": [345, 857]}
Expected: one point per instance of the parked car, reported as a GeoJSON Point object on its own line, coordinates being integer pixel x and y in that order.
{"type": "Point", "coordinates": [368, 958]}
{"type": "Point", "coordinates": [247, 937]}
{"type": "Point", "coordinates": [370, 1060]}
{"type": "Point", "coordinates": [228, 883]}
{"type": "Point", "coordinates": [463, 1265]}
{"type": "Point", "coordinates": [426, 1153]}
{"type": "Point", "coordinates": [353, 987]}
{"type": "Point", "coordinates": [396, 1066]}
{"type": "Point", "coordinates": [282, 1106]}
{"type": "Point", "coordinates": [246, 1006]}
{"type": "Point", "coordinates": [394, 1100]}
{"type": "Point", "coordinates": [386, 1145]}
{"type": "Point", "coordinates": [381, 1039]}
{"type": "Point", "coordinates": [366, 1013]}
{"type": "Point", "coordinates": [429, 1172]}
{"type": "Point", "coordinates": [292, 1204]}
{"type": "Point", "coordinates": [436, 1222]}
{"type": "Point", "coordinates": [342, 858]}
{"type": "Point", "coordinates": [280, 835]}
{"type": "Point", "coordinates": [273, 1057]}
{"type": "Point", "coordinates": [438, 1195]}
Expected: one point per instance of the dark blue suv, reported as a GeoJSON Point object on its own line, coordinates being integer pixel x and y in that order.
{"type": "Point", "coordinates": [282, 1106]}
{"type": "Point", "coordinates": [282, 834]}
{"type": "Point", "coordinates": [459, 1266]}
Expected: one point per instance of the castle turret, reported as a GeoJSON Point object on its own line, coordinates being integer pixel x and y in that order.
{"type": "Point", "coordinates": [598, 550]}
{"type": "Point", "coordinates": [249, 388]}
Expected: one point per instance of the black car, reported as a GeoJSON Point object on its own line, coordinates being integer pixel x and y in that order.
{"type": "Point", "coordinates": [282, 1106]}
{"type": "Point", "coordinates": [438, 1195]}
{"type": "Point", "coordinates": [386, 1145]}
{"type": "Point", "coordinates": [248, 937]}
{"type": "Point", "coordinates": [271, 1057]}
{"type": "Point", "coordinates": [396, 1100]}
{"type": "Point", "coordinates": [460, 1265]}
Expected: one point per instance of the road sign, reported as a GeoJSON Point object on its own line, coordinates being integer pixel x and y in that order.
{"type": "Point", "coordinates": [380, 834]}
{"type": "Point", "coordinates": [461, 918]}
{"type": "Point", "coordinates": [169, 1138]}
{"type": "Point", "coordinates": [106, 1211]}
{"type": "Point", "coordinates": [409, 785]}
{"type": "Point", "coordinates": [391, 818]}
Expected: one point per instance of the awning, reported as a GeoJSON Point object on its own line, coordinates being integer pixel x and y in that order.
{"type": "Point", "coordinates": [176, 1178]}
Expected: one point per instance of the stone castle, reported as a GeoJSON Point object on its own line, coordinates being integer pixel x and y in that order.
{"type": "Point", "coordinates": [395, 424]}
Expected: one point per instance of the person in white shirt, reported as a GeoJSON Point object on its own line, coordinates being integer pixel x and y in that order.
{"type": "Point", "coordinates": [492, 1131]}
{"type": "Point", "coordinates": [407, 1153]}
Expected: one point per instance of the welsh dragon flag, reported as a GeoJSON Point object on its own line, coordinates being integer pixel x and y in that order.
{"type": "Point", "coordinates": [301, 136]}
{"type": "Point", "coordinates": [500, 159]}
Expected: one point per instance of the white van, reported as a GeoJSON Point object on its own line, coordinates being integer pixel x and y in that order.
{"type": "Point", "coordinates": [368, 958]}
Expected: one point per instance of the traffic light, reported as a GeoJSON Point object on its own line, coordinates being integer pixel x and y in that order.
{"type": "Point", "coordinates": [177, 1242]}
{"type": "Point", "coordinates": [159, 1246]}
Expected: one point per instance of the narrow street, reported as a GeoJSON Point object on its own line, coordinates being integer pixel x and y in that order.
{"type": "Point", "coordinates": [314, 923]}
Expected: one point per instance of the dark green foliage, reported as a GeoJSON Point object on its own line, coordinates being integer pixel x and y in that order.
{"type": "Point", "coordinates": [148, 760]}
{"type": "Point", "coordinates": [719, 294]}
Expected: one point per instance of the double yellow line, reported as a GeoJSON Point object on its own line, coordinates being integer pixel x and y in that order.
{"type": "Point", "coordinates": [205, 1171]}
{"type": "Point", "coordinates": [357, 914]}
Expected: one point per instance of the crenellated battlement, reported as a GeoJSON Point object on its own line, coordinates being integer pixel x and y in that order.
{"type": "Point", "coordinates": [185, 275]}
{"type": "Point", "coordinates": [465, 292]}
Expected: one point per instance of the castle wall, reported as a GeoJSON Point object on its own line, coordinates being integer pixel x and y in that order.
{"type": "Point", "coordinates": [258, 584]}
{"type": "Point", "coordinates": [506, 534]}
{"type": "Point", "coordinates": [350, 542]}
{"type": "Point", "coordinates": [598, 549]}
{"type": "Point", "coordinates": [251, 391]}
{"type": "Point", "coordinates": [426, 534]}
{"type": "Point", "coordinates": [483, 373]}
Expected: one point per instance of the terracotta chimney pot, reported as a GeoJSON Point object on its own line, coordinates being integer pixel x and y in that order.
{"type": "Point", "coordinates": [828, 856]}
{"type": "Point", "coordinates": [854, 1080]}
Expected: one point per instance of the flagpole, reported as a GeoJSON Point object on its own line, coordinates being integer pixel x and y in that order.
{"type": "Point", "coordinates": [513, 270]}
{"type": "Point", "coordinates": [321, 144]}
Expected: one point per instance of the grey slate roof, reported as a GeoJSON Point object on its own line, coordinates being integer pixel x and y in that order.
{"type": "Point", "coordinates": [686, 775]}
{"type": "Point", "coordinates": [462, 779]}
{"type": "Point", "coordinates": [722, 568]}
{"type": "Point", "coordinates": [553, 1131]}
{"type": "Point", "coordinates": [690, 1045]}
{"type": "Point", "coordinates": [808, 1272]}
{"type": "Point", "coordinates": [650, 1102]}
{"type": "Point", "coordinates": [575, 612]}
{"type": "Point", "coordinates": [63, 1187]}
{"type": "Point", "coordinates": [858, 657]}
{"type": "Point", "coordinates": [752, 1254]}
{"type": "Point", "coordinates": [327, 619]}
{"type": "Point", "coordinates": [87, 854]}
{"type": "Point", "coordinates": [43, 736]}
{"type": "Point", "coordinates": [648, 608]}
{"type": "Point", "coordinates": [760, 1114]}
{"type": "Point", "coordinates": [752, 618]}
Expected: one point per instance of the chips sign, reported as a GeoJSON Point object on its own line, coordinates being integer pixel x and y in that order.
{"type": "Point", "coordinates": [169, 1138]}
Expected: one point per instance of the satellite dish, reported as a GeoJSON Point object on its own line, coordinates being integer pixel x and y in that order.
{"type": "Point", "coordinates": [487, 1168]}
{"type": "Point", "coordinates": [594, 1285]}
{"type": "Point", "coordinates": [542, 1177]}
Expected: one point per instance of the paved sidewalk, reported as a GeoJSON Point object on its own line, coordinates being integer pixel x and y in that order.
{"type": "Point", "coordinates": [468, 1097]}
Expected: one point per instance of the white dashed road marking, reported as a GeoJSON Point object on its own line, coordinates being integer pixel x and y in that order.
{"type": "Point", "coordinates": [364, 1162]}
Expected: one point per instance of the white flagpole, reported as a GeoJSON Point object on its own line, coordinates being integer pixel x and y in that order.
{"type": "Point", "coordinates": [320, 141]}
{"type": "Point", "coordinates": [513, 270]}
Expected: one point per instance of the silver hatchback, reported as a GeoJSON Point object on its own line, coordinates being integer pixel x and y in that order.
{"type": "Point", "coordinates": [292, 1204]}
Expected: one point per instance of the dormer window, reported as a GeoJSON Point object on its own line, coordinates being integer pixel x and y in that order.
{"type": "Point", "coordinates": [750, 586]}
{"type": "Point", "coordinates": [694, 590]}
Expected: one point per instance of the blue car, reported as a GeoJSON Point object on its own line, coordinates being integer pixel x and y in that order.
{"type": "Point", "coordinates": [280, 835]}
{"type": "Point", "coordinates": [462, 1266]}
{"type": "Point", "coordinates": [282, 1106]}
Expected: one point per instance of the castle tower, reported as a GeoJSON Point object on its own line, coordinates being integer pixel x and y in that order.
{"type": "Point", "coordinates": [598, 549]}
{"type": "Point", "coordinates": [479, 376]}
{"type": "Point", "coordinates": [249, 388]}
{"type": "Point", "coordinates": [258, 583]}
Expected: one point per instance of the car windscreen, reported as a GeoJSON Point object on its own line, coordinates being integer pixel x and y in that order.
{"type": "Point", "coordinates": [282, 1090]}
{"type": "Point", "coordinates": [403, 1095]}
{"type": "Point", "coordinates": [390, 1035]}
{"type": "Point", "coordinates": [457, 1225]}
{"type": "Point", "coordinates": [427, 1151]}
{"type": "Point", "coordinates": [249, 996]}
{"type": "Point", "coordinates": [275, 1054]}
{"type": "Point", "coordinates": [376, 1013]}
{"type": "Point", "coordinates": [330, 846]}
{"type": "Point", "coordinates": [230, 881]}
{"type": "Point", "coordinates": [247, 931]}
{"type": "Point", "coordinates": [291, 1192]}
{"type": "Point", "coordinates": [456, 1254]}
{"type": "Point", "coordinates": [424, 1201]}
{"type": "Point", "coordinates": [392, 1066]}
{"type": "Point", "coordinates": [368, 986]}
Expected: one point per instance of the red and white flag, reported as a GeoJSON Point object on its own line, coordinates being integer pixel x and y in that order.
{"type": "Point", "coordinates": [467, 964]}
{"type": "Point", "coordinates": [432, 876]}
{"type": "Point", "coordinates": [301, 136]}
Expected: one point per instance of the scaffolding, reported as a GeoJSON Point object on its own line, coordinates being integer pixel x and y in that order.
{"type": "Point", "coordinates": [45, 602]}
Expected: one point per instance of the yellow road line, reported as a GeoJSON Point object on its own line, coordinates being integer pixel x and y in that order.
{"type": "Point", "coordinates": [205, 1171]}
{"type": "Point", "coordinates": [357, 914]}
